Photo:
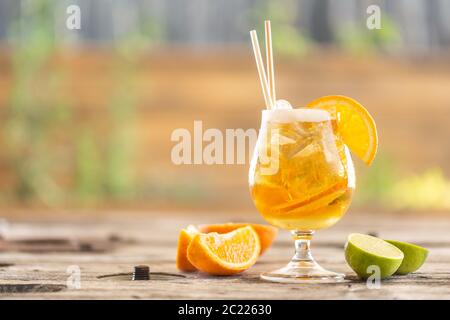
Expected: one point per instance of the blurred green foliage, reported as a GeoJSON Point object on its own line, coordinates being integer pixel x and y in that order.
{"type": "Point", "coordinates": [37, 107]}
{"type": "Point", "coordinates": [385, 185]}
{"type": "Point", "coordinates": [104, 167]}
{"type": "Point", "coordinates": [374, 183]}
{"type": "Point", "coordinates": [43, 133]}
{"type": "Point", "coordinates": [427, 190]}
{"type": "Point", "coordinates": [46, 140]}
{"type": "Point", "coordinates": [287, 39]}
{"type": "Point", "coordinates": [88, 167]}
{"type": "Point", "coordinates": [358, 39]}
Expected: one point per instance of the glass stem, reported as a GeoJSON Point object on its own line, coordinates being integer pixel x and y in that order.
{"type": "Point", "coordinates": [302, 246]}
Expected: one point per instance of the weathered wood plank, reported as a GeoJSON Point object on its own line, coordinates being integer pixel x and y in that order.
{"type": "Point", "coordinates": [151, 239]}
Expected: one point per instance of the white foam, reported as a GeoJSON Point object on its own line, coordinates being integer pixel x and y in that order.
{"type": "Point", "coordinates": [295, 115]}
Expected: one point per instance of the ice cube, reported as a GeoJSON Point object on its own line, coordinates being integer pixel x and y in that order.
{"type": "Point", "coordinates": [308, 151]}
{"type": "Point", "coordinates": [283, 104]}
{"type": "Point", "coordinates": [280, 139]}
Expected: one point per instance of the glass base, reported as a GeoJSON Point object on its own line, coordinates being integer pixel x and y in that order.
{"type": "Point", "coordinates": [302, 268]}
{"type": "Point", "coordinates": [302, 272]}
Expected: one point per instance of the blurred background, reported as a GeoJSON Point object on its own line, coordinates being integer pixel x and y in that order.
{"type": "Point", "coordinates": [86, 115]}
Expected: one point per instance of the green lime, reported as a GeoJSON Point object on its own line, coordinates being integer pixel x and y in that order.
{"type": "Point", "coordinates": [414, 258]}
{"type": "Point", "coordinates": [364, 253]}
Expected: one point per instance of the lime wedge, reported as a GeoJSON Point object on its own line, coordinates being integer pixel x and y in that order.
{"type": "Point", "coordinates": [364, 253]}
{"type": "Point", "coordinates": [414, 258]}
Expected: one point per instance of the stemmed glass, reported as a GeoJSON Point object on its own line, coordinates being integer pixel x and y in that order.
{"type": "Point", "coordinates": [301, 179]}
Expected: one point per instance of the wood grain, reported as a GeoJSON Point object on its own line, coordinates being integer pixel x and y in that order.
{"type": "Point", "coordinates": [151, 239]}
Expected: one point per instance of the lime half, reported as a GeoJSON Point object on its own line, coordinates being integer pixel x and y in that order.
{"type": "Point", "coordinates": [414, 258]}
{"type": "Point", "coordinates": [366, 255]}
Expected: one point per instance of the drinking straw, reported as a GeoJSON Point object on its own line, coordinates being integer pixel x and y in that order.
{"type": "Point", "coordinates": [261, 72]}
{"type": "Point", "coordinates": [269, 63]}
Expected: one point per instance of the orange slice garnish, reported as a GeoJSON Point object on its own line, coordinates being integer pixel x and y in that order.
{"type": "Point", "coordinates": [224, 254]}
{"type": "Point", "coordinates": [320, 200]}
{"type": "Point", "coordinates": [354, 124]}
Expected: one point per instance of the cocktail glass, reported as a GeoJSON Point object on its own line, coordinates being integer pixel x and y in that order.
{"type": "Point", "coordinates": [301, 179]}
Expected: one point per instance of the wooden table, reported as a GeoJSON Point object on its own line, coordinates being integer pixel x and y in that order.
{"type": "Point", "coordinates": [115, 242]}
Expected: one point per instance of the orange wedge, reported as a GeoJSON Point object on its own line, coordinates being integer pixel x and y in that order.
{"type": "Point", "coordinates": [317, 201]}
{"type": "Point", "coordinates": [224, 254]}
{"type": "Point", "coordinates": [265, 233]}
{"type": "Point", "coordinates": [355, 125]}
{"type": "Point", "coordinates": [184, 239]}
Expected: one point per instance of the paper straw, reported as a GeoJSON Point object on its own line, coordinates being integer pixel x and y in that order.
{"type": "Point", "coordinates": [269, 62]}
{"type": "Point", "coordinates": [260, 66]}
